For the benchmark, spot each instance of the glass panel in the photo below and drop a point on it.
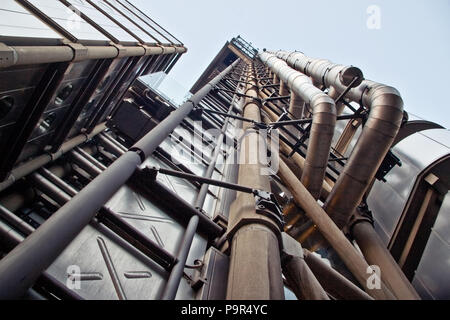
(123, 21)
(149, 21)
(167, 87)
(103, 21)
(68, 20)
(16, 21)
(127, 13)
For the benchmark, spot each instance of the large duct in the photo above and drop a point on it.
(383, 123)
(323, 123)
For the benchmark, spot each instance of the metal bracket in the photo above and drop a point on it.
(7, 56)
(389, 161)
(300, 142)
(349, 87)
(80, 52)
(121, 50)
(216, 88)
(275, 98)
(267, 205)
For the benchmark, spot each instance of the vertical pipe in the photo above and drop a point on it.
(296, 106)
(255, 266)
(322, 126)
(284, 89)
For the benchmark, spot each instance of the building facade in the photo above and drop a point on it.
(279, 176)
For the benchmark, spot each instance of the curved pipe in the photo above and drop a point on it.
(385, 117)
(323, 123)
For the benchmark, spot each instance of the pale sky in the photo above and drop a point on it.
(410, 51)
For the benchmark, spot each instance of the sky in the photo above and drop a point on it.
(401, 43)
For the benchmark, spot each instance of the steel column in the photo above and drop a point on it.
(255, 267)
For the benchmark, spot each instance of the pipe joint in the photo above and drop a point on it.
(80, 52)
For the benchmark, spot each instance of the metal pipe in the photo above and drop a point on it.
(322, 127)
(90, 158)
(173, 283)
(284, 89)
(297, 273)
(11, 239)
(332, 281)
(39, 161)
(255, 266)
(194, 177)
(110, 146)
(24, 55)
(15, 221)
(352, 259)
(112, 140)
(60, 183)
(296, 106)
(85, 164)
(302, 280)
(50, 189)
(378, 134)
(376, 253)
(296, 159)
(21, 267)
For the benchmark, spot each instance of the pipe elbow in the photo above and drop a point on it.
(386, 109)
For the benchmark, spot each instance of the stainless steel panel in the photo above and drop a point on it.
(442, 223)
(180, 186)
(434, 141)
(102, 260)
(146, 217)
(433, 271)
(111, 268)
(215, 272)
(388, 199)
(16, 21)
(209, 205)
